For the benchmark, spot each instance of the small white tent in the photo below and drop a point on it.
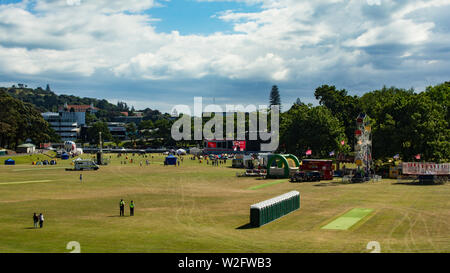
(195, 151)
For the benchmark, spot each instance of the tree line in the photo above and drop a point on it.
(403, 123)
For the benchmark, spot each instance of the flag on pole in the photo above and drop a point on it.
(332, 153)
(309, 152)
(417, 156)
(343, 142)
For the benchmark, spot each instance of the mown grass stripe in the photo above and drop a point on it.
(267, 184)
(26, 182)
(38, 169)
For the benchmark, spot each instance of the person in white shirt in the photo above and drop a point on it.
(41, 220)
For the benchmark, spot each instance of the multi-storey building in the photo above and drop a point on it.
(66, 124)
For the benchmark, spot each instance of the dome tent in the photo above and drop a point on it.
(171, 160)
(196, 151)
(10, 161)
(64, 156)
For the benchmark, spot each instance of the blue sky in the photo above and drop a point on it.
(158, 54)
(193, 17)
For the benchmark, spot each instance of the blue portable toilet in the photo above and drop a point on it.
(10, 161)
(64, 156)
(171, 160)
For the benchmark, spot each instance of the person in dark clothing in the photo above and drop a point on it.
(131, 208)
(35, 220)
(122, 207)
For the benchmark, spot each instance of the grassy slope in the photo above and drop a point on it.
(198, 208)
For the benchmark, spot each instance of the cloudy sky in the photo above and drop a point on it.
(159, 53)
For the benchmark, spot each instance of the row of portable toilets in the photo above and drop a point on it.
(272, 209)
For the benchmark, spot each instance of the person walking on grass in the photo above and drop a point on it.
(35, 220)
(41, 220)
(81, 177)
(122, 207)
(131, 208)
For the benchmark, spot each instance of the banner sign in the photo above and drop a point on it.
(416, 168)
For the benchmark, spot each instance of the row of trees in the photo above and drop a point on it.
(403, 122)
(20, 121)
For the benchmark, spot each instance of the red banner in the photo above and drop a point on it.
(212, 145)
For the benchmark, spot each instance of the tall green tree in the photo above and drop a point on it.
(20, 121)
(131, 131)
(275, 98)
(145, 128)
(306, 127)
(346, 108)
(94, 132)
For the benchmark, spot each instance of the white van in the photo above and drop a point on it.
(85, 164)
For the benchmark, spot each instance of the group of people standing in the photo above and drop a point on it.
(122, 207)
(38, 219)
(216, 162)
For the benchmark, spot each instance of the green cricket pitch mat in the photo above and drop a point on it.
(349, 219)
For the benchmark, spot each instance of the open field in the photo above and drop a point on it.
(201, 208)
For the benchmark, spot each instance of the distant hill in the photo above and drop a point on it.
(46, 100)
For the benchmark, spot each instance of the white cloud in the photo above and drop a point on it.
(286, 41)
(398, 32)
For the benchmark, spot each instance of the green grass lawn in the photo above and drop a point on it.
(27, 159)
(201, 208)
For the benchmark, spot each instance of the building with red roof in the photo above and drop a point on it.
(78, 108)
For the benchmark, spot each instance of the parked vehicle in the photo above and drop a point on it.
(85, 165)
(313, 176)
(302, 176)
(360, 178)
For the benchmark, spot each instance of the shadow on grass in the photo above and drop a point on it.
(30, 228)
(331, 184)
(246, 226)
(415, 184)
(118, 216)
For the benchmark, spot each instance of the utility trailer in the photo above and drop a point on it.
(84, 165)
